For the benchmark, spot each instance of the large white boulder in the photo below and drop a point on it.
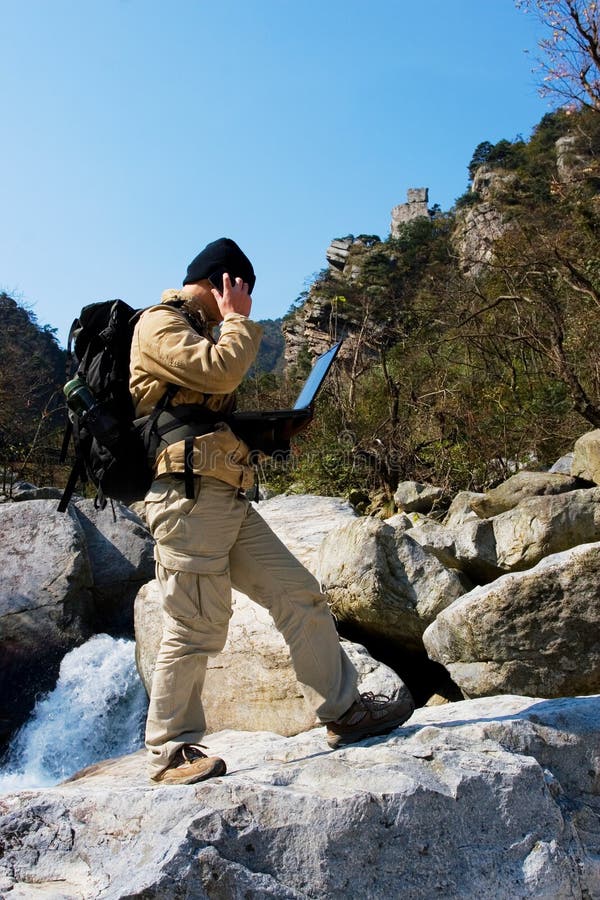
(302, 521)
(381, 580)
(251, 684)
(495, 798)
(529, 632)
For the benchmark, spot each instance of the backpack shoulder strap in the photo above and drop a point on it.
(76, 472)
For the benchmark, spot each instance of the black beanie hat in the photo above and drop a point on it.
(222, 255)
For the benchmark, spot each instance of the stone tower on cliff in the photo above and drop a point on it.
(414, 208)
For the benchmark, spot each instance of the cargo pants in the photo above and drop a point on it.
(204, 546)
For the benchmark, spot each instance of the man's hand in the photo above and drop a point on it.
(235, 297)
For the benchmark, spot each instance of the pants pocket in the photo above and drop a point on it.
(197, 599)
(166, 505)
(214, 592)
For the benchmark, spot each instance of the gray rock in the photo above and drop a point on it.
(571, 162)
(25, 491)
(478, 228)
(540, 526)
(486, 799)
(399, 521)
(520, 487)
(337, 252)
(475, 548)
(19, 487)
(514, 540)
(46, 604)
(586, 457)
(415, 208)
(470, 547)
(138, 507)
(411, 496)
(121, 553)
(563, 465)
(491, 183)
(147, 630)
(418, 518)
(460, 510)
(528, 632)
(438, 540)
(381, 580)
(251, 684)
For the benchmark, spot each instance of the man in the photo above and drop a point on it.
(209, 537)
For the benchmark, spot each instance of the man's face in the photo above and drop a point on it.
(201, 293)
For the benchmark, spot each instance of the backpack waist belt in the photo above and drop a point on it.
(183, 423)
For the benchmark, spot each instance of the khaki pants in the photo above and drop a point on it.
(203, 547)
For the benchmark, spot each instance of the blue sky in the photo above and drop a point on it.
(135, 131)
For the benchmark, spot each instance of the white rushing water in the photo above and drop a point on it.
(96, 711)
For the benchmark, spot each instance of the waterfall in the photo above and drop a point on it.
(96, 710)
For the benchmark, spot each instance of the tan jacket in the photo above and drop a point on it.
(167, 350)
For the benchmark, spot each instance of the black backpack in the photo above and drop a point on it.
(111, 446)
(113, 449)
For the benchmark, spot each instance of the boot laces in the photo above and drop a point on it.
(190, 752)
(372, 702)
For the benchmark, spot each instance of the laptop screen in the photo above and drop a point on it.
(317, 376)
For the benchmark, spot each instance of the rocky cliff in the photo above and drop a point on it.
(326, 315)
(511, 175)
(478, 227)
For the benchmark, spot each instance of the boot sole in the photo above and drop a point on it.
(335, 741)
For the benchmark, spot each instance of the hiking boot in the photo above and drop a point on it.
(370, 715)
(190, 765)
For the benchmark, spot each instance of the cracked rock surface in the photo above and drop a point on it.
(493, 798)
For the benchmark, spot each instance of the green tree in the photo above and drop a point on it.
(32, 370)
(481, 154)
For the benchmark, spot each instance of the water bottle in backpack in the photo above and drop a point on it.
(81, 401)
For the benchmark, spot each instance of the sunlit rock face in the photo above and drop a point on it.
(487, 798)
(527, 632)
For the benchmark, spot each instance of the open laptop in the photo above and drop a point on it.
(269, 430)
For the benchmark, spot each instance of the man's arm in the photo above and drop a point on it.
(173, 352)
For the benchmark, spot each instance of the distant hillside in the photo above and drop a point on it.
(270, 355)
(32, 371)
(471, 335)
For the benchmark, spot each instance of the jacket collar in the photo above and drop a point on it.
(194, 306)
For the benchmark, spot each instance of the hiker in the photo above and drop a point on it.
(208, 535)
